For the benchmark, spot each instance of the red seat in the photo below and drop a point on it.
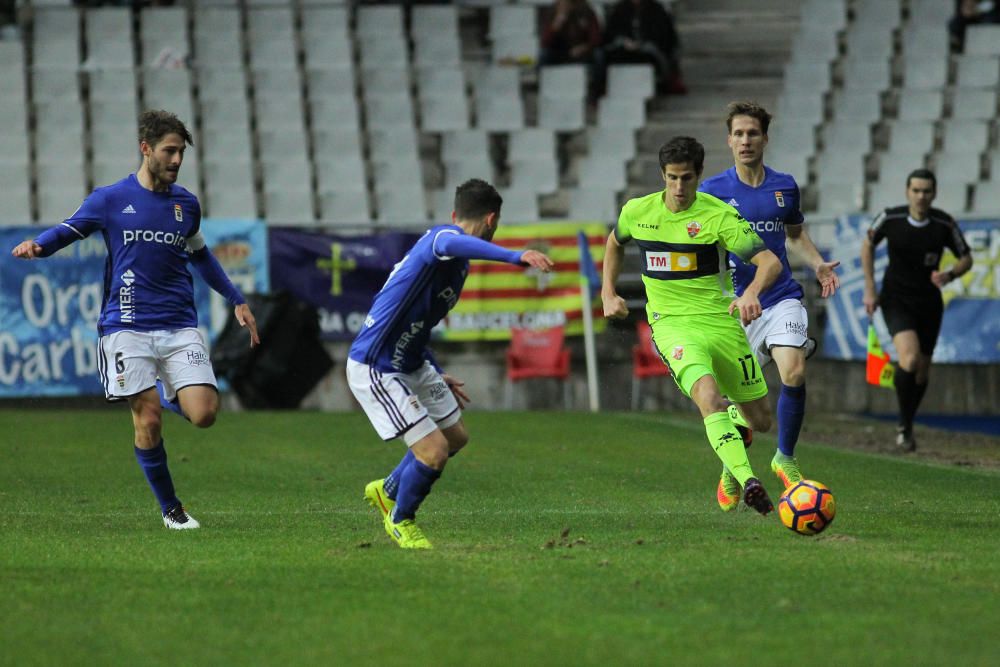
(537, 353)
(646, 361)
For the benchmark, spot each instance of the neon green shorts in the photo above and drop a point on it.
(698, 345)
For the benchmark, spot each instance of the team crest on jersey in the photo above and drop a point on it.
(121, 381)
(678, 352)
(779, 199)
(178, 213)
(693, 228)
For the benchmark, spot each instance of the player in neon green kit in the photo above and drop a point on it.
(683, 236)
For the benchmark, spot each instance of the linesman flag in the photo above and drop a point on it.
(879, 370)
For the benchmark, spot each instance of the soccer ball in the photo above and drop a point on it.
(807, 507)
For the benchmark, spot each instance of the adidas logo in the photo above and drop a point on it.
(731, 202)
(128, 209)
(128, 277)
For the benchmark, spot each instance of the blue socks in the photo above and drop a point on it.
(791, 410)
(154, 465)
(391, 483)
(415, 483)
(173, 406)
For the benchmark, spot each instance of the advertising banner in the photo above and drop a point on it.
(337, 274)
(970, 332)
(49, 307)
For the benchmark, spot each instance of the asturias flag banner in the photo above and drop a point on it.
(499, 297)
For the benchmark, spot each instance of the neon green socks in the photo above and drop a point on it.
(728, 445)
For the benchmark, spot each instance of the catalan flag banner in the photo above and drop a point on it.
(879, 370)
(498, 297)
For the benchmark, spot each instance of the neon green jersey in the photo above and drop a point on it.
(684, 260)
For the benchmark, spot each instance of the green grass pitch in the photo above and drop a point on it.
(562, 539)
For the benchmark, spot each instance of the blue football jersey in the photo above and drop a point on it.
(768, 208)
(419, 292)
(147, 285)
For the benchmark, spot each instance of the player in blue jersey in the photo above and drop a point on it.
(393, 374)
(150, 351)
(769, 201)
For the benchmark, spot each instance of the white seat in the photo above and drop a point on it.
(234, 203)
(288, 206)
(894, 171)
(404, 205)
(519, 205)
(291, 172)
(835, 166)
(904, 134)
(976, 71)
(340, 172)
(616, 143)
(859, 106)
(325, 23)
(225, 115)
(56, 202)
(925, 74)
(106, 172)
(923, 42)
(384, 52)
(334, 111)
(396, 172)
(55, 84)
(169, 89)
(271, 38)
(840, 198)
(16, 206)
(867, 75)
(560, 113)
(793, 134)
(228, 175)
(920, 104)
(631, 81)
(461, 168)
(281, 142)
(514, 48)
(389, 109)
(385, 80)
(601, 171)
(498, 81)
(382, 22)
(872, 43)
(445, 52)
(807, 76)
(970, 136)
(335, 141)
(164, 34)
(113, 84)
(956, 167)
(109, 38)
(982, 40)
(12, 56)
(593, 203)
(564, 81)
(326, 50)
(443, 203)
(831, 14)
(459, 143)
(812, 45)
(221, 82)
(279, 112)
(993, 159)
(330, 80)
(428, 23)
(540, 175)
(217, 37)
(15, 175)
(531, 143)
(280, 82)
(885, 194)
(953, 198)
(499, 114)
(791, 161)
(56, 41)
(931, 12)
(344, 207)
(627, 112)
(848, 136)
(882, 13)
(985, 201)
(441, 113)
(441, 81)
(805, 106)
(393, 142)
(974, 103)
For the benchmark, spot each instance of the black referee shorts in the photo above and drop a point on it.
(920, 314)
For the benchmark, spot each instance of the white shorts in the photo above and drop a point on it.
(130, 361)
(785, 324)
(407, 405)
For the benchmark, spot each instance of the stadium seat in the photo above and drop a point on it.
(118, 85)
(282, 82)
(344, 207)
(863, 106)
(15, 174)
(791, 161)
(169, 89)
(271, 36)
(882, 195)
(613, 142)
(927, 105)
(457, 144)
(393, 142)
(431, 22)
(330, 80)
(401, 205)
(625, 112)
(926, 74)
(281, 141)
(443, 203)
(792, 134)
(815, 45)
(534, 354)
(564, 81)
(224, 203)
(631, 81)
(864, 74)
(839, 198)
(646, 361)
(519, 205)
(932, 12)
(16, 208)
(384, 52)
(444, 52)
(285, 171)
(338, 111)
(56, 41)
(278, 112)
(872, 43)
(828, 14)
(531, 143)
(324, 50)
(969, 136)
(340, 172)
(847, 136)
(985, 202)
(974, 103)
(461, 168)
(564, 114)
(441, 80)
(597, 170)
(498, 113)
(109, 38)
(804, 106)
(441, 113)
(229, 116)
(926, 42)
(107, 172)
(978, 71)
(55, 84)
(593, 203)
(385, 80)
(952, 197)
(956, 167)
(163, 35)
(807, 76)
(884, 13)
(982, 40)
(336, 141)
(284, 205)
(380, 23)
(389, 109)
(217, 38)
(539, 174)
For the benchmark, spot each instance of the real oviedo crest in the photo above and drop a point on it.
(178, 213)
(693, 228)
(779, 199)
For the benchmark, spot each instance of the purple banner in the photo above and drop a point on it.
(339, 275)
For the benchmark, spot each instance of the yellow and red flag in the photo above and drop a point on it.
(879, 370)
(498, 297)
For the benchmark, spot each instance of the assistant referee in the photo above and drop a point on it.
(911, 287)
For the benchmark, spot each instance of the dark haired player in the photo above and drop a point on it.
(394, 376)
(150, 349)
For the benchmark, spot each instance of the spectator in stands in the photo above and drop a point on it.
(971, 12)
(911, 287)
(570, 33)
(642, 31)
(8, 13)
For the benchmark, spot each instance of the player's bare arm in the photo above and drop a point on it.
(942, 278)
(614, 305)
(800, 243)
(870, 299)
(27, 250)
(768, 269)
(248, 322)
(538, 260)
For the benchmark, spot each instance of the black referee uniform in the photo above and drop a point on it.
(909, 300)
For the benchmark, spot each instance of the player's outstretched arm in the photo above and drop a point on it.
(799, 242)
(27, 250)
(248, 322)
(448, 244)
(614, 305)
(48, 242)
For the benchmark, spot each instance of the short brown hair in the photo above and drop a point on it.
(747, 108)
(681, 150)
(475, 199)
(156, 124)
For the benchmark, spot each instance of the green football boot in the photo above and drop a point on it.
(376, 497)
(406, 533)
